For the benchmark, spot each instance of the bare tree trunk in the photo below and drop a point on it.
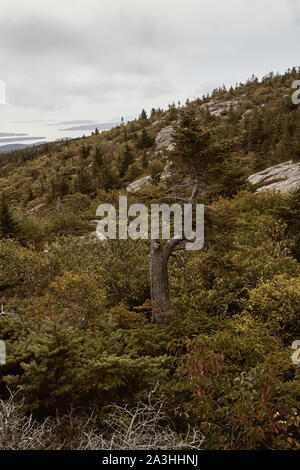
(160, 254)
(161, 309)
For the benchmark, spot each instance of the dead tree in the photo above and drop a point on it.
(59, 206)
(13, 315)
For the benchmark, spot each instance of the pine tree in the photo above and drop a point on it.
(197, 150)
(144, 159)
(143, 114)
(48, 378)
(145, 141)
(172, 112)
(83, 183)
(8, 226)
(85, 151)
(98, 160)
(127, 159)
(29, 194)
(63, 185)
(230, 179)
(108, 177)
(290, 214)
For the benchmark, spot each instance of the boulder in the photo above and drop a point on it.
(35, 208)
(96, 233)
(147, 180)
(139, 184)
(284, 177)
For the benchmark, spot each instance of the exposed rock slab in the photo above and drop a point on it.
(284, 177)
(217, 108)
(164, 140)
(36, 208)
(139, 184)
(147, 181)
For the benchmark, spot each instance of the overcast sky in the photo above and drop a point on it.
(96, 59)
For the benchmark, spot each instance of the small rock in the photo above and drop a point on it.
(35, 208)
(139, 184)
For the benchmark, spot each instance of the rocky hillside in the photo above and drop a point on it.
(259, 114)
(79, 334)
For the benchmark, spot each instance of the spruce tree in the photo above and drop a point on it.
(197, 150)
(29, 194)
(108, 177)
(8, 226)
(127, 159)
(49, 378)
(144, 160)
(85, 151)
(143, 114)
(83, 183)
(145, 141)
(98, 160)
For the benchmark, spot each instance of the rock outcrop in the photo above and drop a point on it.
(217, 108)
(164, 140)
(35, 208)
(139, 184)
(147, 180)
(284, 177)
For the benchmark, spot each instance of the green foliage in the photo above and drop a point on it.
(108, 177)
(59, 366)
(289, 212)
(196, 149)
(8, 226)
(145, 141)
(49, 375)
(85, 151)
(242, 387)
(133, 171)
(98, 160)
(277, 303)
(143, 115)
(231, 179)
(155, 168)
(127, 159)
(83, 336)
(83, 182)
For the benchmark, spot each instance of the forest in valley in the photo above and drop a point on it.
(89, 359)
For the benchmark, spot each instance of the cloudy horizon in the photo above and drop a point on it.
(94, 62)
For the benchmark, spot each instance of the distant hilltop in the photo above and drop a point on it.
(13, 147)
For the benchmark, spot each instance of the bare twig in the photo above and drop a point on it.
(143, 427)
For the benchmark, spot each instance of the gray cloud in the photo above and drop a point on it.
(89, 58)
(19, 139)
(75, 121)
(91, 127)
(10, 134)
